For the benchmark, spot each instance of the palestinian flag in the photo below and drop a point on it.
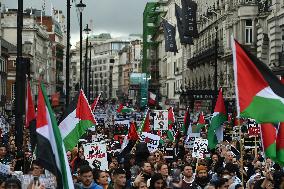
(215, 131)
(124, 109)
(50, 150)
(171, 117)
(200, 124)
(76, 121)
(280, 144)
(170, 135)
(171, 121)
(186, 122)
(94, 105)
(30, 116)
(131, 136)
(152, 99)
(259, 93)
(145, 125)
(268, 136)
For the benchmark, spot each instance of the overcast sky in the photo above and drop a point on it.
(118, 17)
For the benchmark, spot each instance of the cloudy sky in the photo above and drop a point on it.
(118, 17)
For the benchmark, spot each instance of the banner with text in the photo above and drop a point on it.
(189, 141)
(200, 148)
(96, 154)
(160, 119)
(151, 140)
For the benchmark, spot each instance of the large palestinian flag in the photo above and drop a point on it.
(76, 121)
(50, 150)
(215, 131)
(259, 93)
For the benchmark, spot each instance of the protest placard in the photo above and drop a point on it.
(200, 148)
(189, 141)
(151, 140)
(95, 153)
(160, 119)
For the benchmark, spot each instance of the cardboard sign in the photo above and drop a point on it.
(151, 140)
(253, 129)
(189, 141)
(121, 127)
(160, 119)
(200, 148)
(179, 122)
(95, 153)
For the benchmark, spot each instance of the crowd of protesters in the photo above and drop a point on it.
(139, 169)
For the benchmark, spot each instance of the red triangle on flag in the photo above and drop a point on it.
(30, 109)
(93, 106)
(146, 127)
(201, 119)
(132, 133)
(83, 110)
(41, 110)
(220, 105)
(119, 109)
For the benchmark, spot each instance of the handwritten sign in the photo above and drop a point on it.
(189, 141)
(160, 119)
(200, 148)
(151, 140)
(95, 153)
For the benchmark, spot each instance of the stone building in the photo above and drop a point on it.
(43, 44)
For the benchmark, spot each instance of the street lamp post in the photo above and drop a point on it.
(87, 30)
(92, 81)
(215, 69)
(81, 7)
(90, 69)
(68, 53)
(215, 62)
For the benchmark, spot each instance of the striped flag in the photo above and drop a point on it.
(50, 150)
(76, 121)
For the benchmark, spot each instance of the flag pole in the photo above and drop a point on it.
(255, 150)
(237, 103)
(241, 151)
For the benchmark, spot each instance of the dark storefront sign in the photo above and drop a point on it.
(201, 94)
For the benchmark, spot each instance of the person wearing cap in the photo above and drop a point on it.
(202, 177)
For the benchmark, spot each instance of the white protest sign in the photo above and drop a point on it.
(235, 133)
(151, 140)
(161, 120)
(189, 141)
(96, 152)
(200, 148)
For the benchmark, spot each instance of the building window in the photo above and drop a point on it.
(248, 32)
(13, 91)
(14, 63)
